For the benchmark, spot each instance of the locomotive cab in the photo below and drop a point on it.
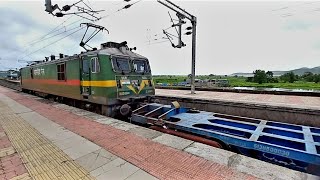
(114, 76)
(133, 78)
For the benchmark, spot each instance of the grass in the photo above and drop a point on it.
(241, 82)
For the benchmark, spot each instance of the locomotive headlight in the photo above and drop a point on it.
(118, 83)
(125, 82)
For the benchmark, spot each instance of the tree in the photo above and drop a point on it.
(308, 76)
(249, 79)
(269, 76)
(288, 77)
(316, 78)
(260, 76)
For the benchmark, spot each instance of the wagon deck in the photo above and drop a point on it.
(293, 146)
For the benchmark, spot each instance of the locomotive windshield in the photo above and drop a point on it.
(121, 64)
(140, 66)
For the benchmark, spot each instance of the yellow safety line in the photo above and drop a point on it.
(41, 157)
(113, 83)
(108, 83)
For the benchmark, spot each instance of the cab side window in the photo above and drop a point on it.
(95, 65)
(61, 71)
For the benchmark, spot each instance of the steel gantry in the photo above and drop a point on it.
(181, 14)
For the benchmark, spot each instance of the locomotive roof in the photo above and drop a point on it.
(118, 52)
(105, 51)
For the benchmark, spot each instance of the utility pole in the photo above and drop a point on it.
(193, 63)
(181, 13)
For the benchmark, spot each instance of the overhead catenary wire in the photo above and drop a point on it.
(26, 47)
(83, 17)
(161, 32)
(53, 30)
(292, 6)
(119, 10)
(56, 35)
(173, 23)
(159, 42)
(293, 10)
(40, 40)
(80, 28)
(129, 5)
(46, 39)
(87, 5)
(57, 27)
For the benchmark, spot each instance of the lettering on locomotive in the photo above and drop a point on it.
(38, 71)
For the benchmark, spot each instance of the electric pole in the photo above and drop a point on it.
(181, 13)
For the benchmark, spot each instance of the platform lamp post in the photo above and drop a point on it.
(193, 21)
(193, 63)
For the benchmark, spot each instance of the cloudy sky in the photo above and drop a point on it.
(232, 36)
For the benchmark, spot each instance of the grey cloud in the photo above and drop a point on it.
(300, 25)
(13, 23)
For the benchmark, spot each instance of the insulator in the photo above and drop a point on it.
(81, 44)
(66, 8)
(59, 14)
(188, 33)
(127, 6)
(189, 28)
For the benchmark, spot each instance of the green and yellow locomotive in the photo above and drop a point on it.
(110, 80)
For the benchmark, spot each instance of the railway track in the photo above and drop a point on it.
(234, 134)
(10, 84)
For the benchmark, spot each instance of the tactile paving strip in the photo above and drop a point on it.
(42, 159)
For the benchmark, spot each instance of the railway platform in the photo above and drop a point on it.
(303, 102)
(302, 110)
(41, 139)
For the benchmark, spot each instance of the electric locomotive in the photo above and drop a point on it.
(110, 80)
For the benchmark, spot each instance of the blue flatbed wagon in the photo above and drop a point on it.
(293, 146)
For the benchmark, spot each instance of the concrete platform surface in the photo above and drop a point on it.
(304, 102)
(40, 139)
